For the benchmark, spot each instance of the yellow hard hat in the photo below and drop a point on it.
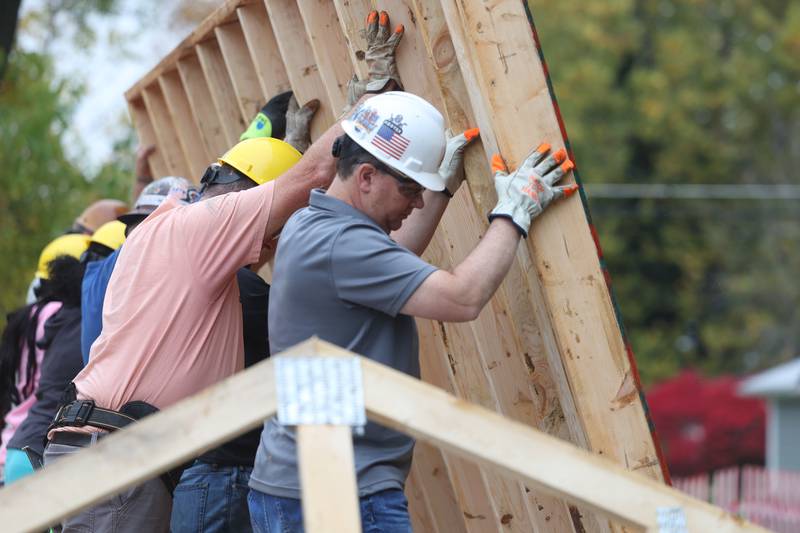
(261, 159)
(110, 234)
(99, 213)
(72, 244)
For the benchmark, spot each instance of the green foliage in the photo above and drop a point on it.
(688, 91)
(41, 192)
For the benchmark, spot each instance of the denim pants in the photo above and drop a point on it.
(212, 499)
(382, 512)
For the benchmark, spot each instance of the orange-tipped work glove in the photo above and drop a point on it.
(452, 168)
(526, 192)
(381, 64)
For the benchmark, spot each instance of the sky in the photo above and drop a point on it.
(128, 44)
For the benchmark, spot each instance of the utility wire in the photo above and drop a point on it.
(693, 191)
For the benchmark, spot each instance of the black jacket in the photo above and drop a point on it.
(61, 363)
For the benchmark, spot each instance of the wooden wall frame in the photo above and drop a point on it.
(549, 350)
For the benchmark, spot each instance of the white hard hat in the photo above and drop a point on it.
(404, 132)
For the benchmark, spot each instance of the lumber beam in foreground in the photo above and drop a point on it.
(241, 402)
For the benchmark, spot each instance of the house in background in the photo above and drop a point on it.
(780, 386)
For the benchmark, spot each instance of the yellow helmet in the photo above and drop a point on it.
(261, 159)
(72, 244)
(110, 234)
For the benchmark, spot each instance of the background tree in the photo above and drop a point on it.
(688, 91)
(41, 190)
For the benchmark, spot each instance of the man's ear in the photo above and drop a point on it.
(365, 174)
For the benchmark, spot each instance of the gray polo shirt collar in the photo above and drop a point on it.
(321, 200)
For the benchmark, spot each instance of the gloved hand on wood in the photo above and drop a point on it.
(526, 192)
(298, 123)
(452, 168)
(380, 56)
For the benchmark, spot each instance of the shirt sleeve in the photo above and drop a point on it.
(225, 233)
(372, 270)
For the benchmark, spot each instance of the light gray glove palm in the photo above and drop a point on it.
(381, 64)
(298, 123)
(452, 168)
(526, 192)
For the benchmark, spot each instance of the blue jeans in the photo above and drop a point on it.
(212, 499)
(382, 512)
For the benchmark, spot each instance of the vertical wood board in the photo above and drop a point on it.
(240, 69)
(263, 49)
(185, 125)
(301, 66)
(209, 126)
(222, 93)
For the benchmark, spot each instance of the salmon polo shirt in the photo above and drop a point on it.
(172, 321)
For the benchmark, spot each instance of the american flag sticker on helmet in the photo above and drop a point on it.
(389, 141)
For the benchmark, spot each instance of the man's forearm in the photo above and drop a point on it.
(417, 231)
(481, 272)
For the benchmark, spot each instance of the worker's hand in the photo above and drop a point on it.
(452, 168)
(142, 166)
(381, 64)
(298, 122)
(526, 192)
(271, 120)
(381, 46)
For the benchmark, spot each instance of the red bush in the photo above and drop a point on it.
(704, 425)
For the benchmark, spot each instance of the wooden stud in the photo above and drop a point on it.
(328, 479)
(349, 13)
(434, 483)
(419, 511)
(185, 126)
(471, 490)
(147, 136)
(209, 126)
(240, 69)
(330, 48)
(222, 93)
(263, 48)
(300, 63)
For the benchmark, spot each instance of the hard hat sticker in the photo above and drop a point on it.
(366, 118)
(389, 138)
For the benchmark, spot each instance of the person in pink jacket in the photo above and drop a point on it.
(21, 358)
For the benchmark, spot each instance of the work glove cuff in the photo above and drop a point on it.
(514, 212)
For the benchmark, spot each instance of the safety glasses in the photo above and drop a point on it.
(405, 185)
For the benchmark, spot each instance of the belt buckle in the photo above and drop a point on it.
(78, 415)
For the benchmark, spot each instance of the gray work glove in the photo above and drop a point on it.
(452, 168)
(298, 123)
(526, 192)
(381, 64)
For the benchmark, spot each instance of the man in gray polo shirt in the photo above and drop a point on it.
(347, 269)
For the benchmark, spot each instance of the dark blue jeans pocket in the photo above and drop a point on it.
(189, 508)
(385, 512)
